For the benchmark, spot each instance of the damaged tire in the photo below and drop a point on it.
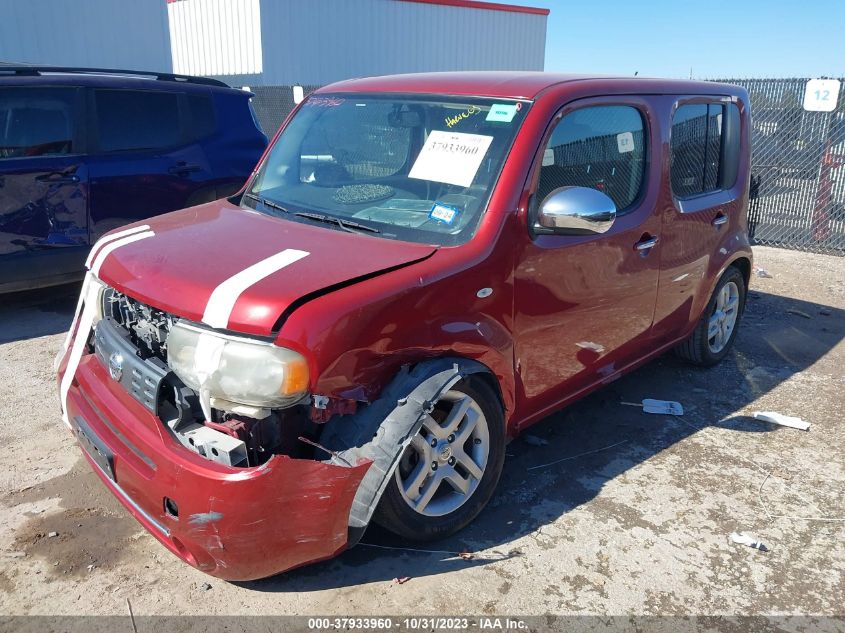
(450, 469)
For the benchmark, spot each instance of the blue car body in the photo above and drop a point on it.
(82, 153)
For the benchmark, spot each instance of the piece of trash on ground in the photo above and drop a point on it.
(598, 348)
(762, 272)
(52, 535)
(782, 420)
(466, 555)
(660, 407)
(205, 586)
(533, 440)
(744, 539)
(799, 313)
(401, 580)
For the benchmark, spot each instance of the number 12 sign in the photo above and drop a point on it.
(821, 95)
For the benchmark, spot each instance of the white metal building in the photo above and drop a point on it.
(129, 34)
(274, 42)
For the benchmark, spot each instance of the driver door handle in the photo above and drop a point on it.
(719, 220)
(183, 169)
(646, 243)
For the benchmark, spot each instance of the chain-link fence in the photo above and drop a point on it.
(797, 166)
(798, 162)
(272, 104)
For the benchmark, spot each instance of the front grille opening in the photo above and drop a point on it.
(148, 327)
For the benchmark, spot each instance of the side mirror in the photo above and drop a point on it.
(576, 211)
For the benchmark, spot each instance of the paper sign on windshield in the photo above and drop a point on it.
(451, 157)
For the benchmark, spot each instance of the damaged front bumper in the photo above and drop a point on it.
(233, 523)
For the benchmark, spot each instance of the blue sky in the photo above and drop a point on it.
(717, 38)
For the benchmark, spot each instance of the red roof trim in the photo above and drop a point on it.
(492, 6)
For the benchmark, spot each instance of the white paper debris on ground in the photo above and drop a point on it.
(744, 539)
(660, 407)
(598, 348)
(800, 313)
(533, 440)
(762, 272)
(782, 420)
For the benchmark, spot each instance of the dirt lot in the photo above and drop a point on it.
(639, 528)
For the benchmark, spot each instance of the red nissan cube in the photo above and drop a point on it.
(420, 267)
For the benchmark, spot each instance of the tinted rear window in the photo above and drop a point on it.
(201, 112)
(703, 155)
(36, 122)
(134, 120)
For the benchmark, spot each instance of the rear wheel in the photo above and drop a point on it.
(450, 470)
(711, 340)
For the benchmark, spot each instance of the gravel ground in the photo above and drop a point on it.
(638, 528)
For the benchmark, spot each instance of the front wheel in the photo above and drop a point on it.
(711, 340)
(449, 471)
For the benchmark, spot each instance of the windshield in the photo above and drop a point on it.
(416, 169)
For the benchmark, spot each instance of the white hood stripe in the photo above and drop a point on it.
(88, 263)
(86, 307)
(222, 301)
(111, 238)
(94, 263)
(86, 322)
(111, 246)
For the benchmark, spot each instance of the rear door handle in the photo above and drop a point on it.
(57, 178)
(183, 169)
(646, 243)
(719, 220)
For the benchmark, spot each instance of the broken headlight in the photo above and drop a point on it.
(235, 369)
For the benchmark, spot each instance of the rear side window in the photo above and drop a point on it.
(201, 112)
(36, 122)
(601, 147)
(135, 120)
(704, 148)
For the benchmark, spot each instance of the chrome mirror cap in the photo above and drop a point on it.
(577, 211)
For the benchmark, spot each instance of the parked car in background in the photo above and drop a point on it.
(421, 267)
(83, 151)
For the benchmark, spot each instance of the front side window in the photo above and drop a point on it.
(137, 120)
(600, 147)
(416, 169)
(36, 122)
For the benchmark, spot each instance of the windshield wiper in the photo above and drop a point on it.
(346, 225)
(267, 203)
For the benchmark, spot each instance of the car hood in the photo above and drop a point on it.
(240, 270)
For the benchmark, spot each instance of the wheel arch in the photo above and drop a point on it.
(381, 431)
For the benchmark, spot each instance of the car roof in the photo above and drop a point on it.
(116, 80)
(519, 85)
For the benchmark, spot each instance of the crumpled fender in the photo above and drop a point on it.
(380, 432)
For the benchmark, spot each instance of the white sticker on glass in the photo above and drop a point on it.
(821, 95)
(548, 157)
(625, 142)
(451, 157)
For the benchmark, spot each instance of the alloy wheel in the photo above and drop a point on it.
(444, 463)
(723, 319)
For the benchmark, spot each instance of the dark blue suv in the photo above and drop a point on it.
(83, 151)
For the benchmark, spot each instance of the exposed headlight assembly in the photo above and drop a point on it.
(234, 369)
